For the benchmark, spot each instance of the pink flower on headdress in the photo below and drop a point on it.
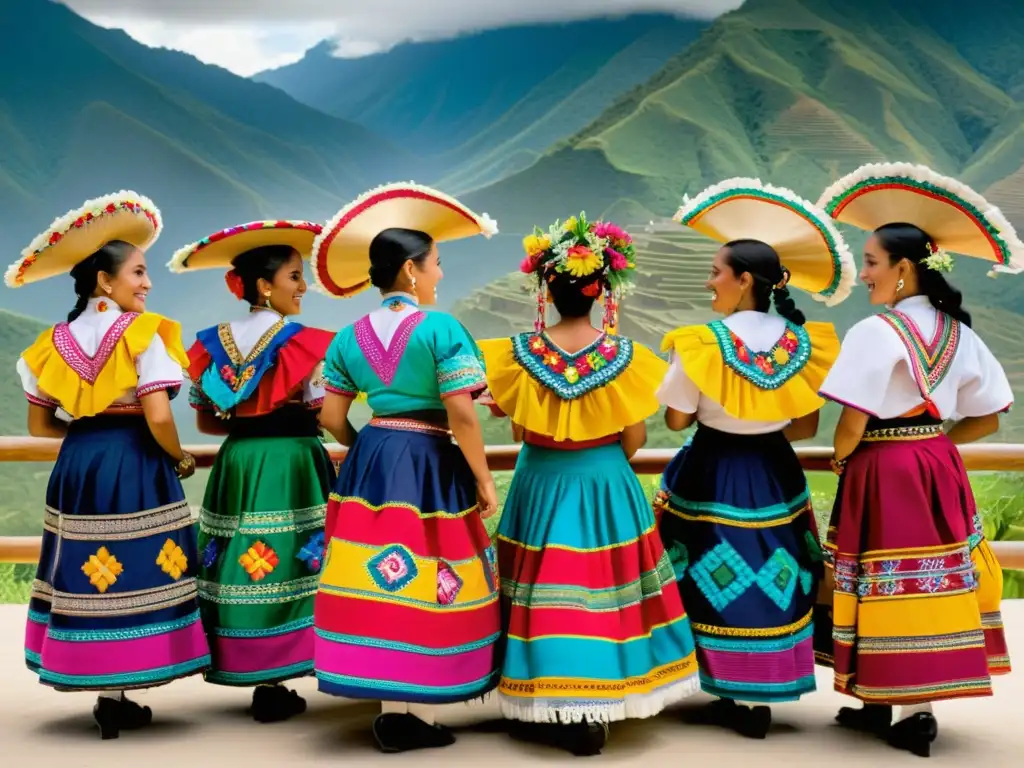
(616, 260)
(613, 233)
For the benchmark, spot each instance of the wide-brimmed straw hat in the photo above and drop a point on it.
(341, 253)
(126, 216)
(958, 219)
(809, 245)
(219, 249)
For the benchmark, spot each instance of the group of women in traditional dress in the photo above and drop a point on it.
(594, 605)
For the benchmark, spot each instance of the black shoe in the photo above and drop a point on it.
(871, 718)
(275, 704)
(721, 712)
(753, 722)
(405, 732)
(115, 715)
(578, 739)
(915, 734)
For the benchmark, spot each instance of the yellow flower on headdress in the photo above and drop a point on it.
(570, 224)
(536, 244)
(580, 261)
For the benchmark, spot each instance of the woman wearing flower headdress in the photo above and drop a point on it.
(917, 588)
(735, 510)
(407, 610)
(258, 380)
(113, 605)
(596, 631)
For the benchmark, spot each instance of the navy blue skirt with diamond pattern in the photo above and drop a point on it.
(737, 522)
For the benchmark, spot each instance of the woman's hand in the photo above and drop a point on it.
(186, 467)
(486, 498)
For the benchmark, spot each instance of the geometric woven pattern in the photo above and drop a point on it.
(722, 575)
(778, 577)
(393, 568)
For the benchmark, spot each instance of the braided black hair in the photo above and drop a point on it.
(906, 241)
(110, 258)
(762, 263)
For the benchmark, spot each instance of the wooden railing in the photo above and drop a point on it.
(992, 457)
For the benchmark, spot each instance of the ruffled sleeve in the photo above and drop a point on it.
(336, 376)
(861, 374)
(986, 390)
(678, 391)
(620, 398)
(313, 387)
(781, 389)
(460, 364)
(157, 370)
(29, 380)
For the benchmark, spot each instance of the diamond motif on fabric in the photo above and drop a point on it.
(778, 578)
(722, 575)
(102, 569)
(491, 568)
(172, 560)
(449, 584)
(393, 568)
(312, 552)
(806, 581)
(259, 561)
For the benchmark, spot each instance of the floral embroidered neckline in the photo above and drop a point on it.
(766, 370)
(239, 370)
(71, 352)
(572, 375)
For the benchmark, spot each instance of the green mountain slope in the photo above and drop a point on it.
(485, 104)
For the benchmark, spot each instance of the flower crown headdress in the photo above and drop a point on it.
(599, 254)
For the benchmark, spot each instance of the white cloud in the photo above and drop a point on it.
(247, 36)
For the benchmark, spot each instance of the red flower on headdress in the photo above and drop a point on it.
(592, 290)
(234, 283)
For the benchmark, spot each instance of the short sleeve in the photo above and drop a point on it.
(677, 390)
(313, 390)
(863, 371)
(460, 363)
(336, 379)
(157, 370)
(30, 385)
(986, 390)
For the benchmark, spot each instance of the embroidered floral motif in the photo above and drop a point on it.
(572, 375)
(238, 372)
(88, 368)
(172, 560)
(766, 370)
(942, 574)
(312, 552)
(931, 361)
(259, 561)
(393, 568)
(236, 382)
(102, 569)
(210, 553)
(449, 584)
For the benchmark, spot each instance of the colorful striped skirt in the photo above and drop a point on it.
(736, 520)
(917, 588)
(261, 539)
(114, 605)
(407, 608)
(595, 627)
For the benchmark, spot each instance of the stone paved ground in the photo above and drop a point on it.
(201, 726)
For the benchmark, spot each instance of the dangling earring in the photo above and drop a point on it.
(266, 296)
(611, 312)
(414, 283)
(541, 322)
(899, 286)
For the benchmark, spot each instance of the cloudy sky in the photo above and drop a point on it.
(247, 36)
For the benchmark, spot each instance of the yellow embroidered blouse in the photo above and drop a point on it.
(136, 354)
(587, 395)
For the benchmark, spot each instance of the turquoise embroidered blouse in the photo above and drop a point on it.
(431, 356)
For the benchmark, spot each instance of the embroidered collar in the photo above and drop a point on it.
(396, 301)
(385, 361)
(88, 368)
(572, 375)
(930, 360)
(101, 305)
(765, 370)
